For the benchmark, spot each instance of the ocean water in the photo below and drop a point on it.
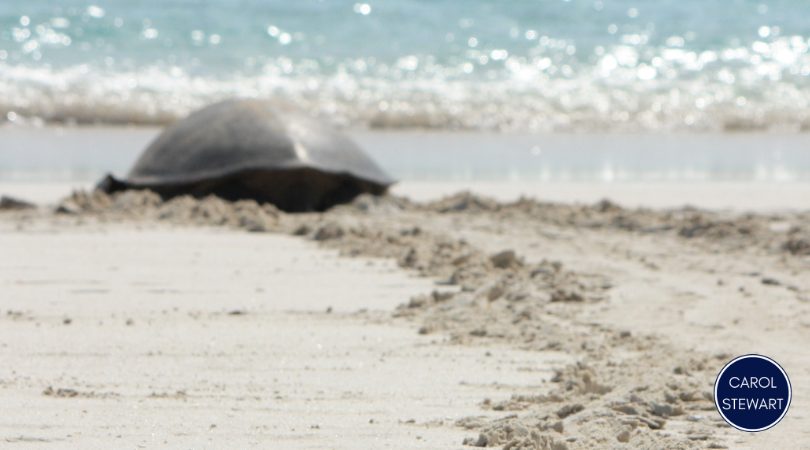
(512, 66)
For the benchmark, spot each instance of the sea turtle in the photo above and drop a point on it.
(264, 150)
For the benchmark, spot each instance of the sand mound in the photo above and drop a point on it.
(724, 231)
(183, 210)
(13, 204)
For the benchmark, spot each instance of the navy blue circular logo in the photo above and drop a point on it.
(752, 393)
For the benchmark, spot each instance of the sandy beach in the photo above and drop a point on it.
(524, 225)
(129, 321)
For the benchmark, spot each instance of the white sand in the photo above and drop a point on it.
(208, 270)
(186, 373)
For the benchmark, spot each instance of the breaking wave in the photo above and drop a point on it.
(547, 86)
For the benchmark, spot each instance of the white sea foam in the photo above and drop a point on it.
(550, 68)
(762, 87)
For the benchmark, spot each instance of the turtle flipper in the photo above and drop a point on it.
(110, 184)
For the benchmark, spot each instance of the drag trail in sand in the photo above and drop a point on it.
(134, 321)
(700, 295)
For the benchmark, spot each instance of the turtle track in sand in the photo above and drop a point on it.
(626, 390)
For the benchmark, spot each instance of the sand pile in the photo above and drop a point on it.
(784, 233)
(779, 233)
(13, 204)
(776, 233)
(798, 242)
(183, 210)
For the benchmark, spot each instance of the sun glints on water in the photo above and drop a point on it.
(556, 66)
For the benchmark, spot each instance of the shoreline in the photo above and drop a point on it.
(85, 154)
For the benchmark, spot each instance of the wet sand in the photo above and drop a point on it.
(202, 322)
(86, 153)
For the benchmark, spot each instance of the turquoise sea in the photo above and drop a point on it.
(513, 66)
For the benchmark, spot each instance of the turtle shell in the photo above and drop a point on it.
(268, 151)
